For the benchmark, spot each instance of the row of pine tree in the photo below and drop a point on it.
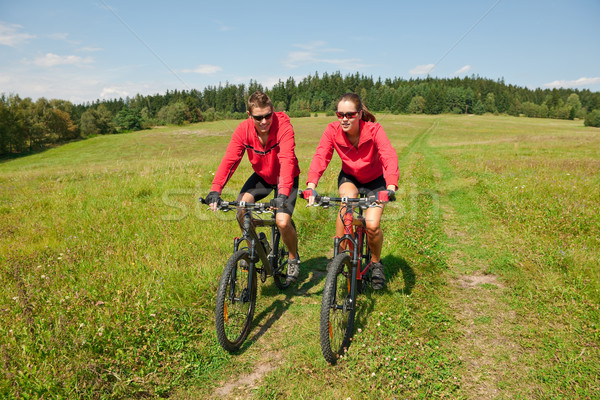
(27, 125)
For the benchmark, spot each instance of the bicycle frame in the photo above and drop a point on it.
(236, 294)
(355, 235)
(256, 250)
(346, 273)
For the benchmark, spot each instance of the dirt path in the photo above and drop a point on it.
(264, 338)
(487, 346)
(267, 338)
(240, 387)
(488, 327)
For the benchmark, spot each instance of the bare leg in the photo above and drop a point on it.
(288, 233)
(374, 232)
(346, 189)
(248, 198)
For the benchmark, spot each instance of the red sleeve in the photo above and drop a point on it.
(287, 158)
(231, 160)
(387, 157)
(322, 156)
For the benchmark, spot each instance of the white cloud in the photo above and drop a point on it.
(315, 52)
(223, 27)
(422, 69)
(108, 89)
(90, 49)
(463, 70)
(314, 45)
(61, 84)
(114, 92)
(58, 36)
(346, 63)
(267, 81)
(52, 60)
(204, 69)
(295, 58)
(10, 35)
(77, 86)
(575, 83)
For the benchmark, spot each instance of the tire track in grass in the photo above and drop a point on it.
(265, 351)
(261, 354)
(247, 385)
(487, 346)
(455, 283)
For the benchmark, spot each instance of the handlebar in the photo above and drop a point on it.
(362, 202)
(230, 205)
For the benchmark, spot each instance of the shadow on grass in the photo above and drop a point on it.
(393, 267)
(396, 265)
(313, 271)
(15, 156)
(36, 150)
(267, 317)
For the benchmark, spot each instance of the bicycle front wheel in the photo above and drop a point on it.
(337, 309)
(235, 301)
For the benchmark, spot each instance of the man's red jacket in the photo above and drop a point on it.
(275, 162)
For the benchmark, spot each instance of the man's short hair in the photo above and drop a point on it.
(259, 99)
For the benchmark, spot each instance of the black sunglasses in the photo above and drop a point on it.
(259, 118)
(348, 115)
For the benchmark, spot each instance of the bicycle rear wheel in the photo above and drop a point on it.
(235, 302)
(280, 275)
(361, 284)
(337, 309)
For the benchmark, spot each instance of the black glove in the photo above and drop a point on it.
(213, 197)
(279, 202)
(386, 195)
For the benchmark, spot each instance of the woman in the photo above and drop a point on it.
(368, 161)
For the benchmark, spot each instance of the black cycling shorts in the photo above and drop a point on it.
(259, 188)
(372, 187)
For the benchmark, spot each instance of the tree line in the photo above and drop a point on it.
(27, 125)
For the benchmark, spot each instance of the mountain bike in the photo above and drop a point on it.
(253, 255)
(348, 273)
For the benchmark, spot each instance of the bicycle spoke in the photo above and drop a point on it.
(337, 310)
(235, 302)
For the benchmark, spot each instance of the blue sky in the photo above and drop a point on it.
(83, 50)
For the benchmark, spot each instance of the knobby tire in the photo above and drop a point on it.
(280, 276)
(337, 309)
(235, 303)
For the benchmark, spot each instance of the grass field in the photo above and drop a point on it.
(109, 270)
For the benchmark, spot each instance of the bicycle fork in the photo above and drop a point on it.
(355, 238)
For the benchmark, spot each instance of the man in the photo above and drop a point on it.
(269, 138)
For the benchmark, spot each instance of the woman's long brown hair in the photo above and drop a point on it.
(354, 98)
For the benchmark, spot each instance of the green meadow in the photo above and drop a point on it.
(109, 269)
